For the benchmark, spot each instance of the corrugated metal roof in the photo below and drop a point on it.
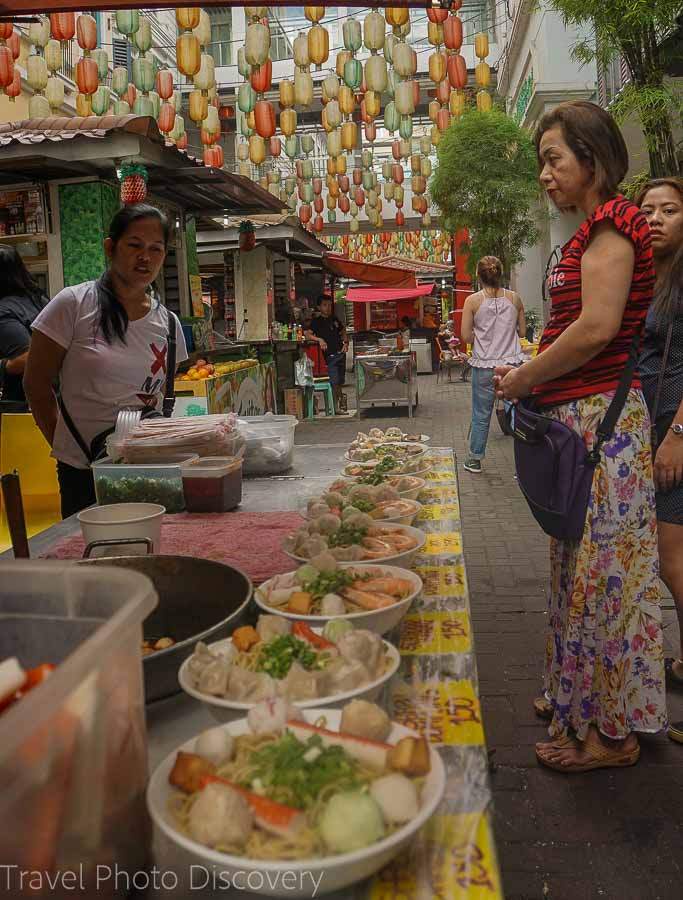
(174, 175)
(419, 266)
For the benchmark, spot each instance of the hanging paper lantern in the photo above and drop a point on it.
(354, 226)
(333, 114)
(347, 100)
(400, 219)
(203, 30)
(368, 181)
(54, 91)
(418, 184)
(484, 101)
(102, 63)
(243, 152)
(212, 123)
(261, 78)
(353, 73)
(359, 197)
(482, 74)
(188, 53)
(334, 143)
(143, 74)
(318, 45)
(130, 94)
(343, 56)
(265, 119)
(288, 119)
(372, 102)
(300, 51)
(435, 135)
(303, 88)
(403, 60)
(257, 44)
(199, 106)
(83, 107)
(481, 45)
(426, 220)
(275, 147)
(306, 192)
(287, 97)
(397, 16)
(85, 75)
(314, 13)
(166, 117)
(128, 21)
(63, 26)
(343, 182)
(349, 135)
(86, 31)
(38, 107)
(246, 97)
(251, 121)
(39, 32)
(318, 224)
(457, 71)
(36, 70)
(373, 31)
(435, 34)
(437, 67)
(392, 117)
(142, 38)
(397, 173)
(186, 18)
(415, 163)
(178, 129)
(405, 100)
(143, 106)
(443, 92)
(352, 36)
(318, 203)
(344, 204)
(305, 213)
(205, 78)
(121, 108)
(257, 149)
(405, 129)
(425, 167)
(452, 32)
(255, 12)
(376, 74)
(213, 156)
(425, 145)
(119, 80)
(307, 145)
(293, 146)
(243, 66)
(14, 89)
(164, 82)
(330, 88)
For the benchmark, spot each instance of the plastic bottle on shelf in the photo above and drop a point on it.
(300, 334)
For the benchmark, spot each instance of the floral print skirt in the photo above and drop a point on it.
(604, 656)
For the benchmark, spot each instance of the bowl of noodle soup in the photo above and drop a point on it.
(314, 874)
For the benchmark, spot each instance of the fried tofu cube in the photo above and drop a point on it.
(188, 771)
(410, 756)
(300, 603)
(244, 638)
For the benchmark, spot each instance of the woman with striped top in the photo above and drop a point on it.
(604, 668)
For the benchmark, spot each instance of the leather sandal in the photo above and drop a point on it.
(601, 758)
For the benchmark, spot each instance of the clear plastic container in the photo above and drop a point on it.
(269, 443)
(73, 757)
(212, 484)
(150, 483)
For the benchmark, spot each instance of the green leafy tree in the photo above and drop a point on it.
(486, 181)
(633, 30)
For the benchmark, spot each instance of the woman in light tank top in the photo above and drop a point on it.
(492, 322)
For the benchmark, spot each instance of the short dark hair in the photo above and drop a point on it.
(113, 316)
(594, 138)
(323, 298)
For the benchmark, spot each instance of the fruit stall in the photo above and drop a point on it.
(243, 386)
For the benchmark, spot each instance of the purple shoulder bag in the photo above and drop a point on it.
(554, 467)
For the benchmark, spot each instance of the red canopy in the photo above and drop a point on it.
(382, 295)
(369, 273)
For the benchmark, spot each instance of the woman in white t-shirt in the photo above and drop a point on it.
(107, 342)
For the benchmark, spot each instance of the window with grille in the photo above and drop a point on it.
(280, 43)
(221, 35)
(121, 56)
(475, 18)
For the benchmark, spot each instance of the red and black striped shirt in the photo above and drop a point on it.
(600, 374)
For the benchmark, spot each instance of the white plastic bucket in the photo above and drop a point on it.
(123, 520)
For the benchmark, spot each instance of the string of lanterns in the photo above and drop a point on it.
(426, 245)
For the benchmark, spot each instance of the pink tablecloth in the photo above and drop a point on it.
(250, 541)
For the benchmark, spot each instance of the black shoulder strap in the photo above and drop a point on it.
(169, 391)
(606, 428)
(75, 433)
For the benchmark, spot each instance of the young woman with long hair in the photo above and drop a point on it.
(107, 342)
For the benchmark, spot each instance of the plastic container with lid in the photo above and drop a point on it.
(212, 484)
(73, 757)
(269, 446)
(149, 483)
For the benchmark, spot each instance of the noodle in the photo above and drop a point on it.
(261, 844)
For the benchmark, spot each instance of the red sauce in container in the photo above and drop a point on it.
(212, 484)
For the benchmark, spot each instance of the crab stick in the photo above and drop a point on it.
(268, 814)
(370, 753)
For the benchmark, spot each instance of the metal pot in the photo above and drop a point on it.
(199, 600)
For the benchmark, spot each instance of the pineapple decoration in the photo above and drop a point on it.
(133, 178)
(247, 240)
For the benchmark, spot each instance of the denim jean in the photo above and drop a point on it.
(483, 401)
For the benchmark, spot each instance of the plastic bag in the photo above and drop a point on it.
(303, 371)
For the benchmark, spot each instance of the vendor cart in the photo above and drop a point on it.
(386, 379)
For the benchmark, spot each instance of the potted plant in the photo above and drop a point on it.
(533, 324)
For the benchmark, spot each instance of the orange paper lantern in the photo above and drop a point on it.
(164, 81)
(452, 32)
(166, 117)
(265, 118)
(6, 67)
(63, 26)
(86, 31)
(86, 75)
(457, 71)
(261, 78)
(275, 146)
